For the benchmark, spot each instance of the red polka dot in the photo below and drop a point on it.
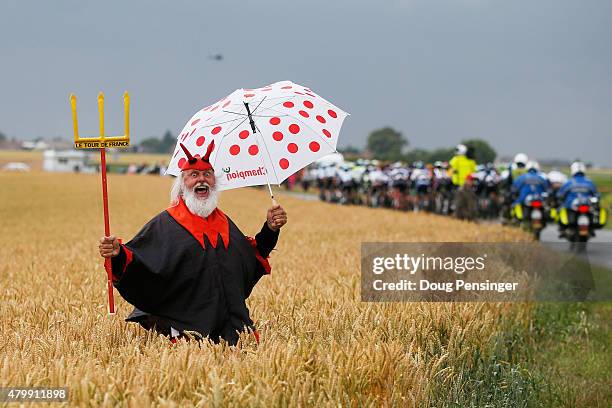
(304, 114)
(206, 108)
(244, 134)
(226, 104)
(294, 128)
(215, 108)
(182, 162)
(266, 90)
(278, 136)
(286, 87)
(253, 150)
(234, 150)
(283, 163)
(332, 113)
(314, 146)
(308, 104)
(274, 121)
(200, 141)
(192, 132)
(326, 133)
(216, 130)
(299, 93)
(249, 95)
(288, 105)
(195, 122)
(321, 119)
(309, 94)
(292, 147)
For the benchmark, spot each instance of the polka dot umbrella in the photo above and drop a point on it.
(262, 135)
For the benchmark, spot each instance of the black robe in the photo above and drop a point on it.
(173, 281)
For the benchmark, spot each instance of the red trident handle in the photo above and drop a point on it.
(107, 261)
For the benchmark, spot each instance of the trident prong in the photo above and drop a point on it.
(101, 114)
(104, 141)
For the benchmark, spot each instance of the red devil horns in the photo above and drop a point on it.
(189, 156)
(193, 163)
(211, 146)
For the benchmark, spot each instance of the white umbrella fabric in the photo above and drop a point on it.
(262, 135)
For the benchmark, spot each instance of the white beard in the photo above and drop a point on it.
(201, 206)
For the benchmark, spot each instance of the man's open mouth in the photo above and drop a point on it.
(201, 190)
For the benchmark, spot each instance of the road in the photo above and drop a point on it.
(599, 249)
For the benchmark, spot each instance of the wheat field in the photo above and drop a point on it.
(320, 345)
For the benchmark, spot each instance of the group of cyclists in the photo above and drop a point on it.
(519, 193)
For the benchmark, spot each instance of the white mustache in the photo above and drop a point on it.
(202, 184)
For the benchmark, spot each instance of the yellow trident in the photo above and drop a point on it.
(102, 143)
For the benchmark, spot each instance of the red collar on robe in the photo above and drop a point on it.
(212, 226)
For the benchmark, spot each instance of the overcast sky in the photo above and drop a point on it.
(532, 76)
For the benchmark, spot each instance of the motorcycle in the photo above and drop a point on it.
(531, 214)
(580, 220)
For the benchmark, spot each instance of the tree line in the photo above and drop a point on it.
(165, 144)
(390, 145)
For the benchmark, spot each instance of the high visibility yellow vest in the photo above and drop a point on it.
(461, 167)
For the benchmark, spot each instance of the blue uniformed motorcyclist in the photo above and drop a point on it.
(579, 196)
(531, 183)
(578, 186)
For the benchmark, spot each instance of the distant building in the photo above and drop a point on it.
(67, 161)
(35, 145)
(16, 166)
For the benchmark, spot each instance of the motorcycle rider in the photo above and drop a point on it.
(556, 180)
(531, 183)
(515, 169)
(461, 166)
(578, 186)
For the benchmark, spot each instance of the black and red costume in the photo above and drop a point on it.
(186, 272)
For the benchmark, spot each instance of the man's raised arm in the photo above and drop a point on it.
(268, 236)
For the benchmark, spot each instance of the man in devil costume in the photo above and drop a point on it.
(190, 268)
